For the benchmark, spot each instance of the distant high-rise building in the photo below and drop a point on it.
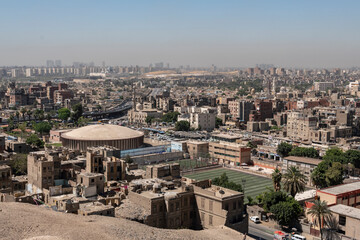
(159, 65)
(57, 63)
(50, 63)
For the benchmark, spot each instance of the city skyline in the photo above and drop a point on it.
(232, 34)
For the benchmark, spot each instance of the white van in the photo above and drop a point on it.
(298, 237)
(255, 219)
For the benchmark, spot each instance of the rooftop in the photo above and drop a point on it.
(4, 167)
(346, 210)
(102, 132)
(313, 161)
(343, 188)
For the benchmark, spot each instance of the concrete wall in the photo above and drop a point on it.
(155, 158)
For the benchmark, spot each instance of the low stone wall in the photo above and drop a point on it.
(156, 158)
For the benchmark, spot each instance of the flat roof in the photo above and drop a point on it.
(346, 210)
(4, 167)
(343, 188)
(313, 161)
(228, 136)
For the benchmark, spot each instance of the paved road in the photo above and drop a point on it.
(260, 232)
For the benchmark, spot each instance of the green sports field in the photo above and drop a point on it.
(254, 184)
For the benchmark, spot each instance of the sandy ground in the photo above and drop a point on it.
(31, 222)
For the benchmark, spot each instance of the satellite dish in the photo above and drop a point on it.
(221, 192)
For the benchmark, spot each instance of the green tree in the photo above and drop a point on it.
(170, 117)
(22, 127)
(330, 231)
(223, 181)
(149, 120)
(327, 174)
(250, 201)
(182, 126)
(23, 112)
(64, 114)
(271, 198)
(353, 157)
(128, 159)
(17, 113)
(42, 127)
(77, 111)
(19, 164)
(82, 121)
(284, 149)
(335, 155)
(276, 178)
(304, 152)
(319, 211)
(286, 212)
(29, 114)
(334, 174)
(34, 141)
(294, 181)
(218, 122)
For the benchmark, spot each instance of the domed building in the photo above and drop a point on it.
(100, 135)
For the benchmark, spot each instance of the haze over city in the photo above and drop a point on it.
(180, 120)
(197, 33)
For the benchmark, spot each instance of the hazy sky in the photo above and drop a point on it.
(314, 33)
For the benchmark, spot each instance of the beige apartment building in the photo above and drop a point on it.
(240, 110)
(230, 153)
(197, 149)
(346, 194)
(140, 116)
(203, 121)
(304, 164)
(300, 125)
(348, 219)
(43, 169)
(188, 204)
(102, 160)
(5, 179)
(163, 171)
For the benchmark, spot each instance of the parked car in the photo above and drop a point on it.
(298, 237)
(255, 219)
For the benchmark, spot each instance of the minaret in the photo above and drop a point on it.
(274, 86)
(133, 97)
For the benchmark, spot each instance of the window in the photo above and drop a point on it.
(210, 220)
(342, 220)
(239, 204)
(171, 207)
(185, 202)
(118, 168)
(211, 205)
(202, 202)
(234, 205)
(154, 208)
(177, 206)
(92, 180)
(226, 206)
(202, 216)
(111, 169)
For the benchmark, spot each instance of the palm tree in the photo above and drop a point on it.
(17, 116)
(294, 181)
(29, 113)
(23, 111)
(276, 178)
(319, 211)
(331, 229)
